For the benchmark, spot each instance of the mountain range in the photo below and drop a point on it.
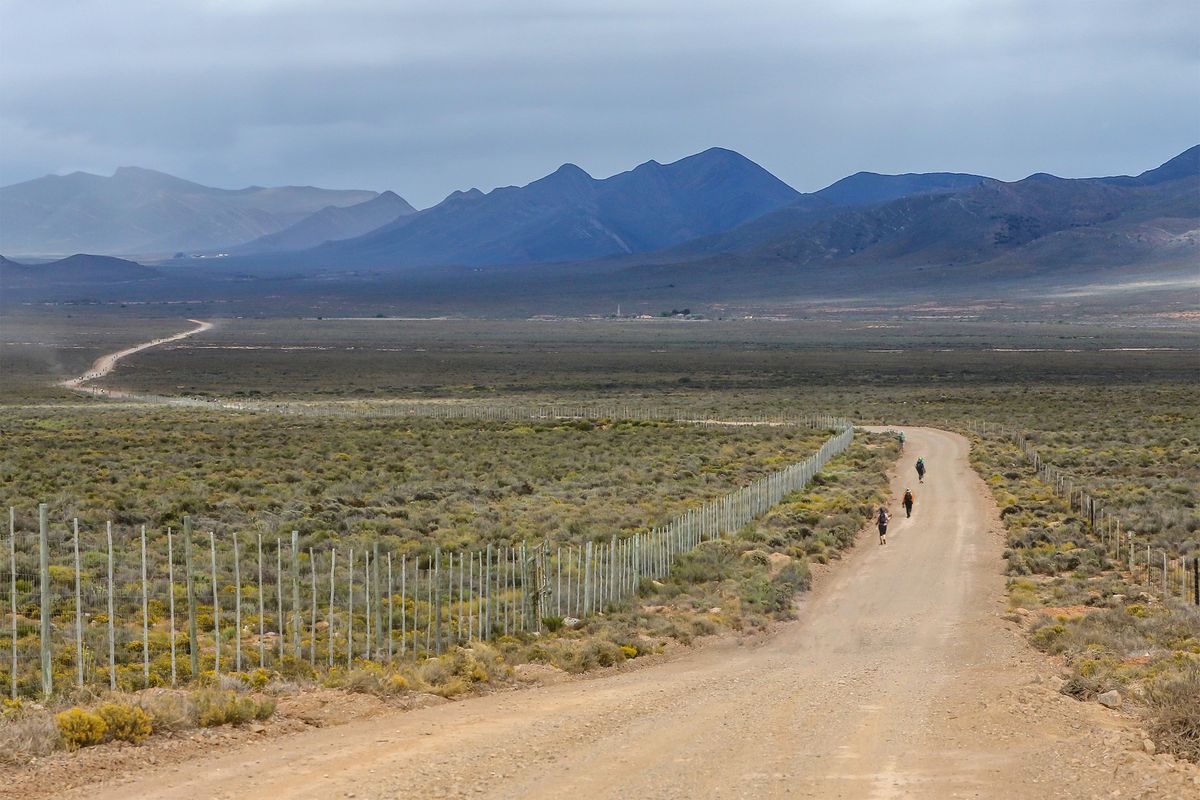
(710, 227)
(142, 212)
(565, 216)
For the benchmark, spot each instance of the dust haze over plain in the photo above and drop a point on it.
(426, 97)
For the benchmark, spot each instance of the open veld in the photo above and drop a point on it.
(926, 621)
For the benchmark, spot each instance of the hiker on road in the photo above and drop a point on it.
(882, 521)
(920, 470)
(908, 502)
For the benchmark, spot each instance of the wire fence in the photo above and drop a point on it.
(464, 410)
(130, 608)
(1158, 571)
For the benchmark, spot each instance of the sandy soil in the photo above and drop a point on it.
(900, 678)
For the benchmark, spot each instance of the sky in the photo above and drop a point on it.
(424, 98)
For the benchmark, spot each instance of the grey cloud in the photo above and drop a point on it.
(425, 97)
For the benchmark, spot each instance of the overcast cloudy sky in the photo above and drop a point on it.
(427, 97)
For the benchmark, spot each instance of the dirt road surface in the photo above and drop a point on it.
(899, 679)
(106, 363)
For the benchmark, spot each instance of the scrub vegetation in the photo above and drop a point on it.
(1124, 420)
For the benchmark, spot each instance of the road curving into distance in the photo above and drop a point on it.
(106, 363)
(899, 679)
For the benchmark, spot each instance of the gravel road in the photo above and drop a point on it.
(106, 363)
(899, 679)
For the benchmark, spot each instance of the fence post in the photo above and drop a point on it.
(145, 618)
(1147, 566)
(237, 605)
(329, 615)
(391, 592)
(171, 599)
(404, 604)
(193, 650)
(367, 604)
(485, 620)
(262, 614)
(377, 597)
(44, 577)
(296, 595)
(350, 611)
(212, 550)
(1196, 580)
(78, 610)
(112, 630)
(312, 625)
(280, 621)
(437, 599)
(12, 578)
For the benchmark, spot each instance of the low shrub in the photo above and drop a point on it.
(1174, 703)
(215, 707)
(168, 709)
(28, 736)
(124, 722)
(373, 679)
(79, 728)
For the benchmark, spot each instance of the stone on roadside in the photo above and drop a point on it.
(1148, 746)
(1110, 699)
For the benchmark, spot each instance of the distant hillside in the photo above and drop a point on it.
(77, 270)
(140, 211)
(569, 215)
(331, 223)
(1184, 165)
(945, 236)
(869, 188)
(861, 189)
(1038, 229)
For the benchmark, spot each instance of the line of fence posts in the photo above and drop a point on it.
(1121, 545)
(443, 599)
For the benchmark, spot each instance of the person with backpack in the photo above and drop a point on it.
(920, 470)
(908, 502)
(882, 521)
